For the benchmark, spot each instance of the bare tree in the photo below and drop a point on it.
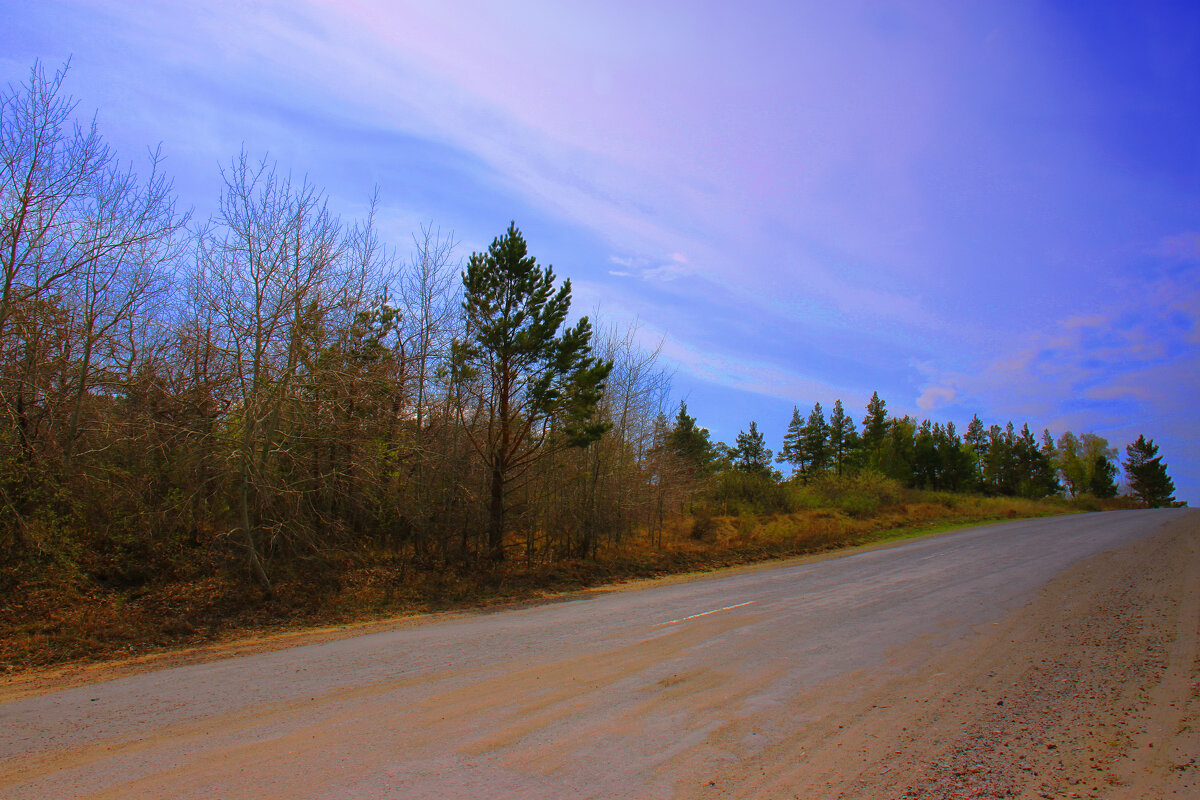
(280, 274)
(432, 308)
(85, 245)
(132, 234)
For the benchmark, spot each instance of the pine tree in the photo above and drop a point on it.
(1148, 479)
(955, 460)
(999, 457)
(1026, 463)
(1045, 476)
(924, 463)
(751, 453)
(537, 387)
(896, 455)
(843, 437)
(976, 442)
(816, 441)
(793, 451)
(1104, 478)
(690, 442)
(874, 425)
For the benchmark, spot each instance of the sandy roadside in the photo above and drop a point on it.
(1090, 691)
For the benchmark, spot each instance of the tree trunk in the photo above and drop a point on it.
(496, 515)
(256, 565)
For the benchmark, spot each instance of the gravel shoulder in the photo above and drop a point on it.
(1090, 691)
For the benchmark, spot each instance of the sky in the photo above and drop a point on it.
(985, 208)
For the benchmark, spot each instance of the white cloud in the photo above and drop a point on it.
(666, 272)
(737, 372)
(935, 396)
(645, 269)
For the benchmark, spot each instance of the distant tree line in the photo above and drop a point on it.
(929, 455)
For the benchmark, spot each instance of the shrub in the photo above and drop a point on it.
(859, 495)
(703, 525)
(736, 492)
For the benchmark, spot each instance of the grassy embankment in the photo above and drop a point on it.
(54, 612)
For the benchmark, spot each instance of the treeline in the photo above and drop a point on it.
(924, 455)
(274, 383)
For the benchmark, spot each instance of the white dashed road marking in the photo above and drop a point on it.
(703, 614)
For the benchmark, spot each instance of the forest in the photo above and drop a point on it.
(272, 411)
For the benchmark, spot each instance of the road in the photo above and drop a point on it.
(719, 686)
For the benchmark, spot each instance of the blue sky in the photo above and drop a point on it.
(987, 208)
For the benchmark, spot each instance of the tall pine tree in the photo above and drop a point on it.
(843, 436)
(815, 438)
(534, 381)
(1148, 479)
(793, 451)
(976, 443)
(874, 424)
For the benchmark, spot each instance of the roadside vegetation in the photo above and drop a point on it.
(270, 417)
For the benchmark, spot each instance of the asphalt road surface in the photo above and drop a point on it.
(651, 692)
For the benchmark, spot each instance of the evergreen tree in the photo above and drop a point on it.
(976, 436)
(955, 461)
(537, 387)
(815, 438)
(1032, 472)
(925, 460)
(1026, 457)
(843, 436)
(1148, 479)
(976, 443)
(793, 451)
(998, 467)
(724, 457)
(1045, 476)
(896, 454)
(690, 442)
(751, 453)
(875, 430)
(1104, 478)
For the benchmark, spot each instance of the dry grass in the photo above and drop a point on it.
(53, 618)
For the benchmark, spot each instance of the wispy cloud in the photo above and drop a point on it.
(934, 397)
(736, 371)
(676, 266)
(1126, 363)
(1183, 246)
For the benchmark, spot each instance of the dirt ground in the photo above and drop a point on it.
(1091, 691)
